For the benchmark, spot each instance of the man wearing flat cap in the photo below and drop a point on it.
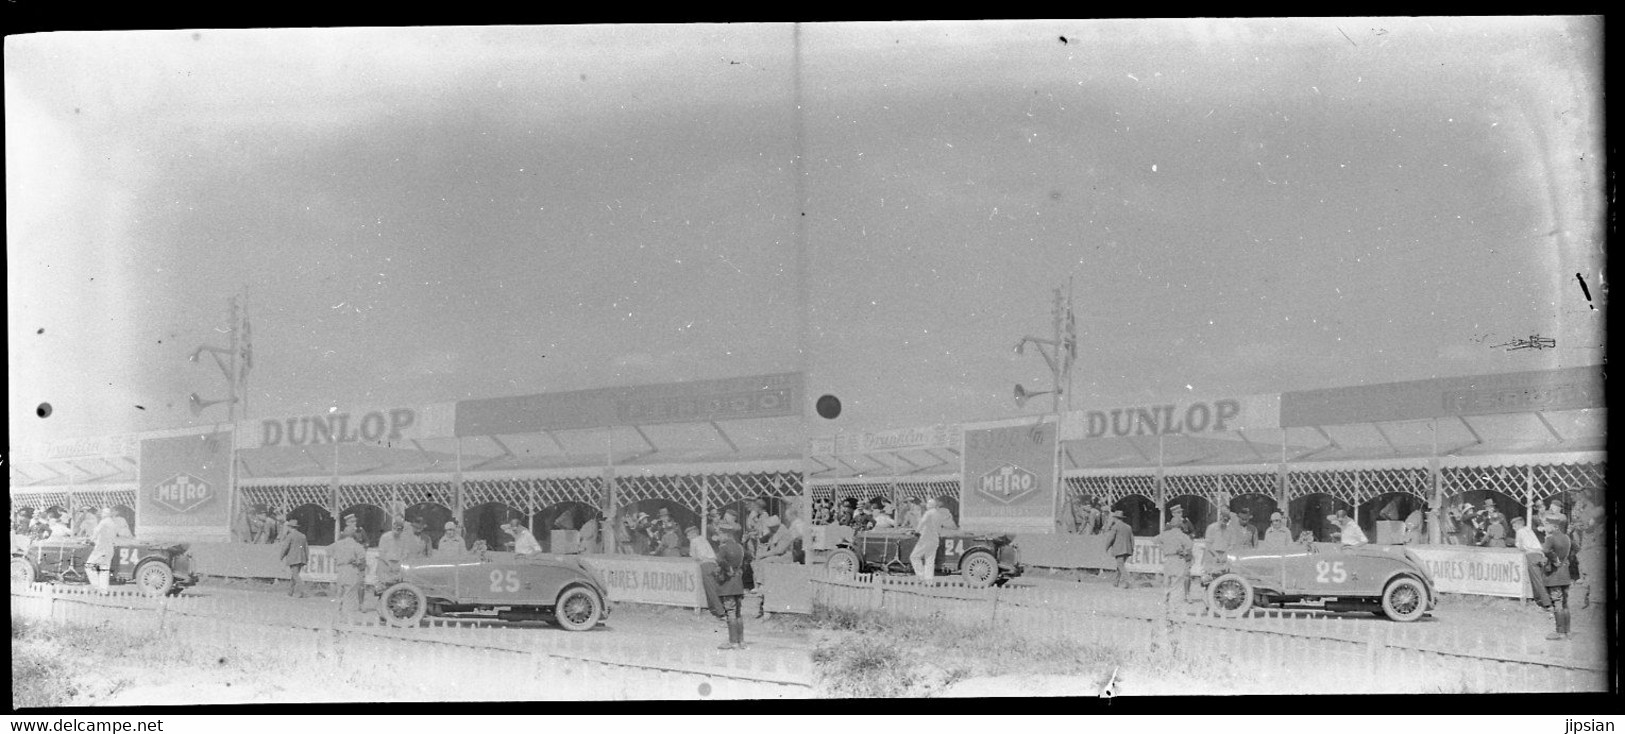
(1120, 545)
(295, 552)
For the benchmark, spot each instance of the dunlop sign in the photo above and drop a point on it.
(1189, 417)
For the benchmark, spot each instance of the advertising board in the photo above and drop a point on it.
(184, 485)
(1008, 476)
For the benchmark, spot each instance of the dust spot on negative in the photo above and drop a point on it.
(1055, 195)
(41, 331)
(197, 36)
(705, 689)
(44, 410)
(829, 407)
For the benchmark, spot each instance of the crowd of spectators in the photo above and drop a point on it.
(29, 526)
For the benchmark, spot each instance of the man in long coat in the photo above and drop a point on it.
(1120, 545)
(295, 552)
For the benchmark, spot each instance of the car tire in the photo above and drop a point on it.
(23, 572)
(154, 578)
(1230, 596)
(979, 569)
(842, 563)
(1404, 600)
(402, 605)
(578, 609)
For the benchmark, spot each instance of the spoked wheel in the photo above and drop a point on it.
(22, 572)
(578, 609)
(1404, 600)
(1230, 595)
(842, 563)
(979, 569)
(154, 578)
(403, 605)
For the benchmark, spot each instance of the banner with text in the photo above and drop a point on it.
(1458, 569)
(650, 579)
(758, 396)
(939, 436)
(1249, 412)
(184, 485)
(1008, 476)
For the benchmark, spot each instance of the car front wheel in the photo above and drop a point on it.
(842, 563)
(1230, 595)
(154, 578)
(22, 572)
(578, 609)
(403, 605)
(1405, 600)
(979, 569)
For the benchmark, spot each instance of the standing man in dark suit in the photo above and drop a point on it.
(294, 553)
(1557, 548)
(1120, 545)
(731, 583)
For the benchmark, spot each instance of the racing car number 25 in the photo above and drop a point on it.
(1330, 572)
(504, 581)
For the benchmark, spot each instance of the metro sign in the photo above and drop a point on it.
(1007, 484)
(182, 493)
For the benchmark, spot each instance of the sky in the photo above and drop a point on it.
(417, 215)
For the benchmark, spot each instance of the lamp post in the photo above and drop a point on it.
(1060, 353)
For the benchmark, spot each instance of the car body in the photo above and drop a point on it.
(555, 588)
(1387, 580)
(157, 568)
(983, 559)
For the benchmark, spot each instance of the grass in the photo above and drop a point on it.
(870, 654)
(41, 678)
(38, 679)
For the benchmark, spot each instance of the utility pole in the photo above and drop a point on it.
(236, 374)
(1059, 353)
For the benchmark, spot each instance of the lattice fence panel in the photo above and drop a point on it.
(1554, 479)
(1205, 486)
(1112, 489)
(684, 490)
(1415, 482)
(511, 492)
(1341, 484)
(382, 496)
(440, 493)
(100, 498)
(726, 488)
(927, 490)
(320, 495)
(1236, 484)
(39, 500)
(1512, 481)
(268, 496)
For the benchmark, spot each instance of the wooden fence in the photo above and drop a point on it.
(440, 660)
(1292, 651)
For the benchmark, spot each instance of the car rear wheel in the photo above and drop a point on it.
(1405, 600)
(979, 569)
(403, 605)
(842, 563)
(1230, 595)
(23, 572)
(154, 578)
(578, 609)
